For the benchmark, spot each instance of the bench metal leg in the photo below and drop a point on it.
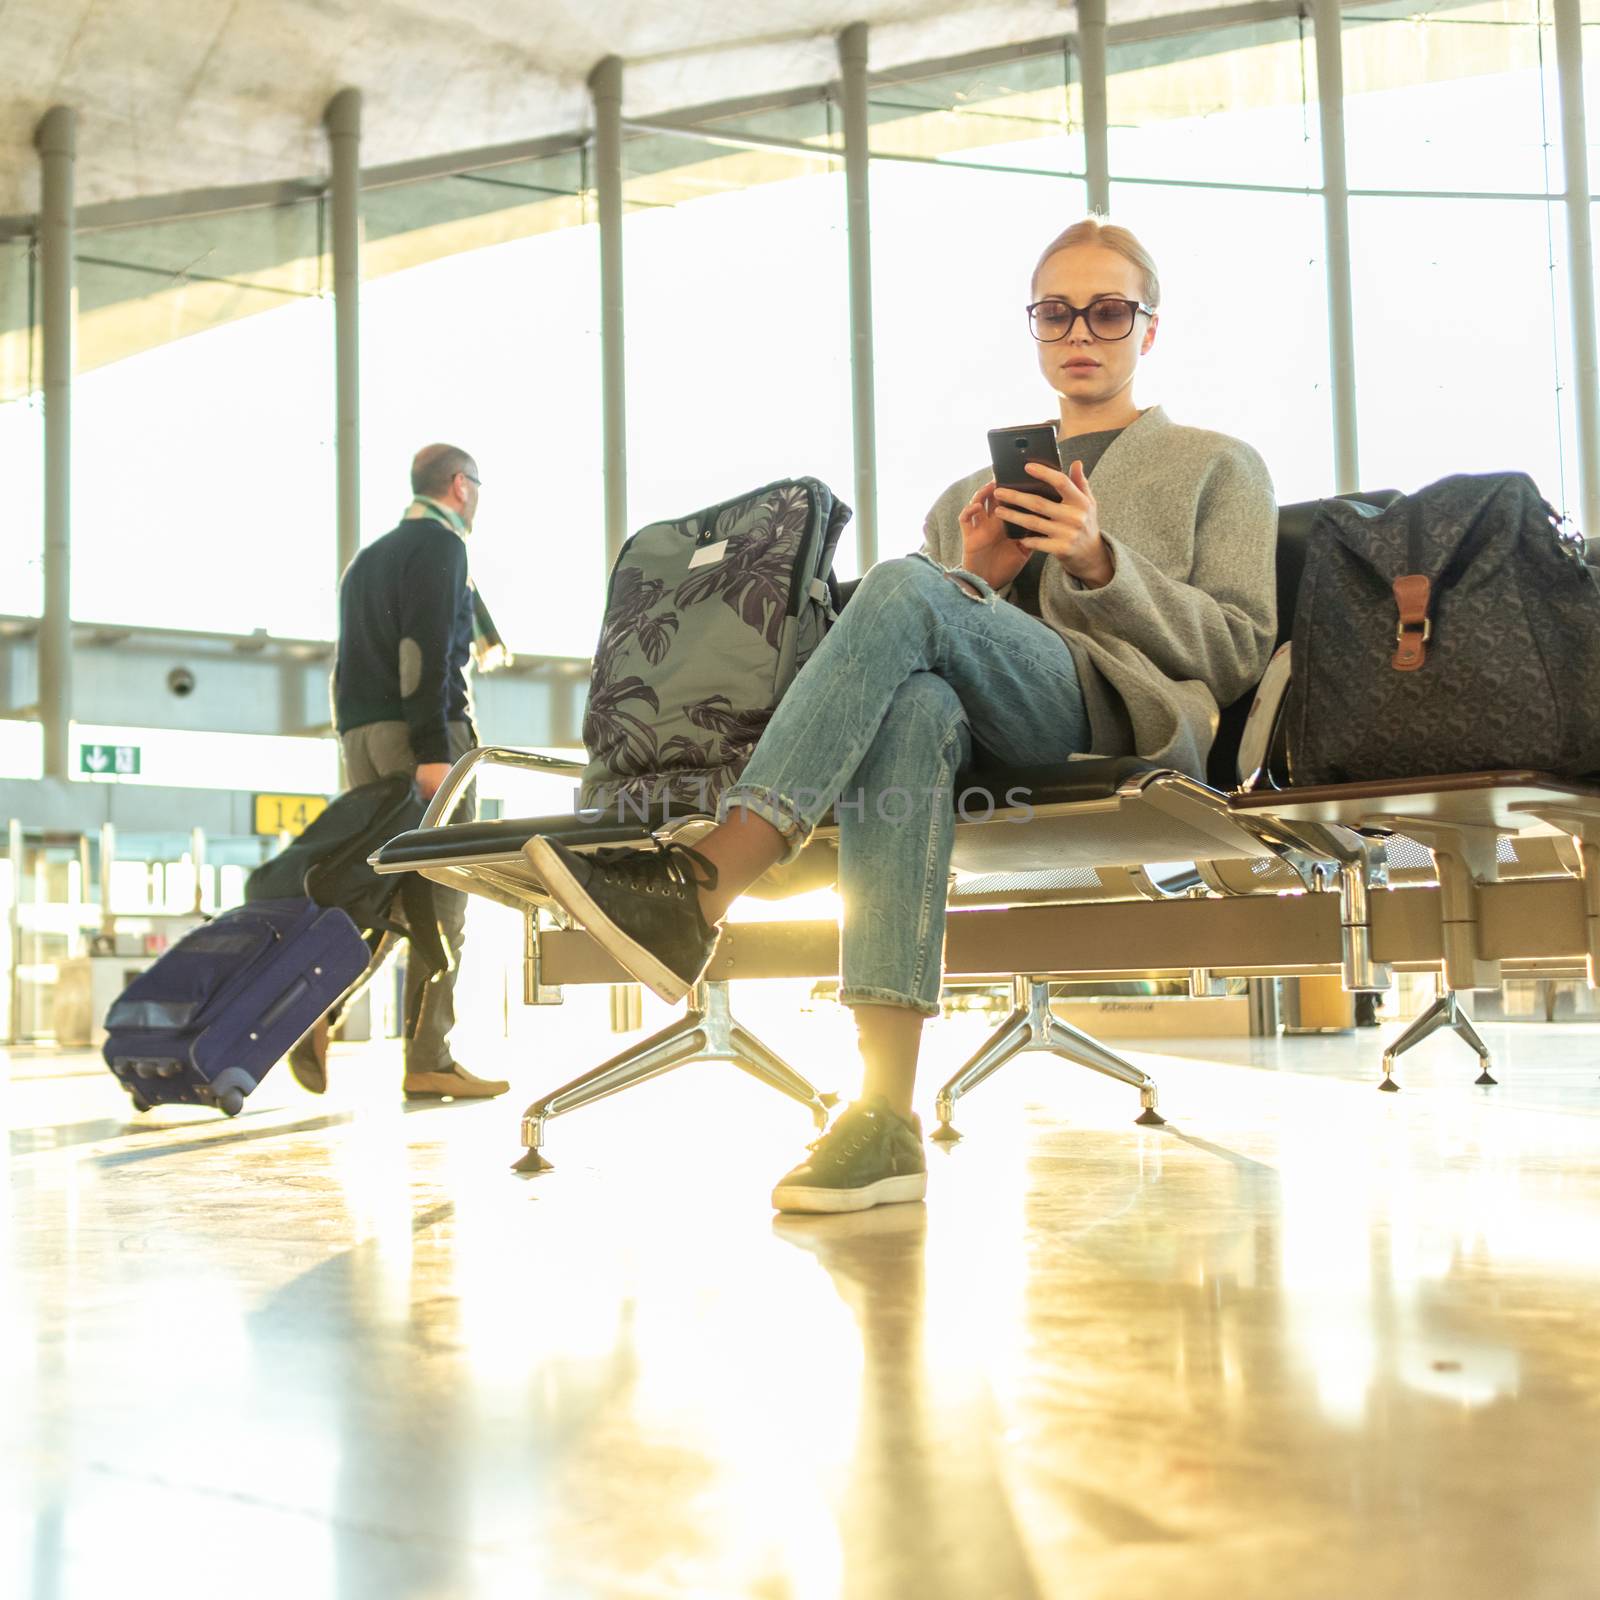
(1033, 1026)
(706, 1032)
(1445, 1012)
(746, 1051)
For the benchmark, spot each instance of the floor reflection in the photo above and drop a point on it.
(1307, 1341)
(925, 1510)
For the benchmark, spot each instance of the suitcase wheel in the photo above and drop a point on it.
(139, 1102)
(229, 1088)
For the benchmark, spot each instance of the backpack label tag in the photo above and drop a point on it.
(708, 554)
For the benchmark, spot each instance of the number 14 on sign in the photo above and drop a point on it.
(288, 813)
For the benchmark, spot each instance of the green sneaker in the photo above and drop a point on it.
(871, 1156)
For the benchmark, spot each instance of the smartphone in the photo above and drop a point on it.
(1010, 449)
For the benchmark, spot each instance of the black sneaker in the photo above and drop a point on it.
(639, 904)
(871, 1156)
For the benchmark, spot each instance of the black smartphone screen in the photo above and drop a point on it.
(1011, 448)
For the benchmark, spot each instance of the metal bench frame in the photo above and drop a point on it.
(1266, 884)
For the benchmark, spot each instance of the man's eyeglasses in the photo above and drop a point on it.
(477, 483)
(1109, 317)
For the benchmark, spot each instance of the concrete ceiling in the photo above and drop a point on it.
(190, 94)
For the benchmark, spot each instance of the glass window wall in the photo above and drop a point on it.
(202, 425)
(1452, 97)
(1463, 341)
(1227, 105)
(480, 327)
(1242, 345)
(738, 341)
(1025, 114)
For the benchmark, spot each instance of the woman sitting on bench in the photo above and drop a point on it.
(1117, 623)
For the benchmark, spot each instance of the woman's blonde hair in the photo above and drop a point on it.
(1092, 231)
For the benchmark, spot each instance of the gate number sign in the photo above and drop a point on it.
(288, 813)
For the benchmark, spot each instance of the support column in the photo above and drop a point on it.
(1092, 66)
(1580, 259)
(605, 87)
(108, 856)
(343, 122)
(197, 855)
(858, 236)
(14, 852)
(1336, 228)
(56, 141)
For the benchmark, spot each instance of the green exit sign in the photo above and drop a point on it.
(114, 760)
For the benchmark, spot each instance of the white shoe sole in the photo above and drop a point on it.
(886, 1191)
(573, 899)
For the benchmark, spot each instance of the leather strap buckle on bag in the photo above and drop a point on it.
(1411, 595)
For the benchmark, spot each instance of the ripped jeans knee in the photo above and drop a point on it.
(969, 583)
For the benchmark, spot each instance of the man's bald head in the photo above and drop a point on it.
(434, 468)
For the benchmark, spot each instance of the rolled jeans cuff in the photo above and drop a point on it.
(771, 807)
(857, 994)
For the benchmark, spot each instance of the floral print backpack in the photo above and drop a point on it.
(708, 619)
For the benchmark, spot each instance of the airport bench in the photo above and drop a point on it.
(1124, 870)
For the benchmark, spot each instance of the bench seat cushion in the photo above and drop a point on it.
(472, 843)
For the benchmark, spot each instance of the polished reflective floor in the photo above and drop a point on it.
(1308, 1341)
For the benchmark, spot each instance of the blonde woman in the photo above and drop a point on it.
(1114, 621)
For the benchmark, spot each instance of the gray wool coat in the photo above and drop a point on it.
(1188, 620)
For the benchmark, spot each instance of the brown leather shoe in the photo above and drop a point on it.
(452, 1083)
(308, 1059)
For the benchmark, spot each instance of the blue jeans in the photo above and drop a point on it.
(877, 726)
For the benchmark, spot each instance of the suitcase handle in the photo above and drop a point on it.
(291, 996)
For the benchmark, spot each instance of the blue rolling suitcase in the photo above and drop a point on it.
(205, 1024)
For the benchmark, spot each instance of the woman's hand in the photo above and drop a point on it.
(986, 548)
(1070, 530)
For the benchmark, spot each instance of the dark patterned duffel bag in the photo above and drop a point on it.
(1455, 630)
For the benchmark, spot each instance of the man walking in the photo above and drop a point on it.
(402, 704)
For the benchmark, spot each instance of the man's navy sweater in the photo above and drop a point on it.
(405, 636)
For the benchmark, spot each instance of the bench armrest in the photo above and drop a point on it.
(448, 795)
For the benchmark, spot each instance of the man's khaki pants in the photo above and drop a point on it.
(379, 750)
